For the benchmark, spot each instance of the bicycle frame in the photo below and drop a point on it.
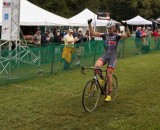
(95, 77)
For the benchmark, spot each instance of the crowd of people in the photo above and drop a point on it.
(57, 36)
(77, 36)
(68, 38)
(143, 36)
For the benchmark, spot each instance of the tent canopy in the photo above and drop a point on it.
(158, 20)
(31, 14)
(153, 20)
(81, 19)
(138, 20)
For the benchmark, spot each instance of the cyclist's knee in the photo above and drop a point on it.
(98, 63)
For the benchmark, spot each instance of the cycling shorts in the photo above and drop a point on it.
(111, 59)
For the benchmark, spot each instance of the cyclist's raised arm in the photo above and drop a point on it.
(92, 31)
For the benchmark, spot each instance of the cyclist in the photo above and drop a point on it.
(111, 39)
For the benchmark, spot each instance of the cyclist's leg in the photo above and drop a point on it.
(110, 70)
(99, 63)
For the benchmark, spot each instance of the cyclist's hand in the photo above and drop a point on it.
(89, 21)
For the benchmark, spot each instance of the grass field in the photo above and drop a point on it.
(54, 102)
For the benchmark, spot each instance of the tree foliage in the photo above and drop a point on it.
(120, 9)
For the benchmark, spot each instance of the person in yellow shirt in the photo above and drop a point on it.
(68, 49)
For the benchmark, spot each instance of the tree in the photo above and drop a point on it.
(120, 9)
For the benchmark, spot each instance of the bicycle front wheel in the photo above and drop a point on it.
(90, 95)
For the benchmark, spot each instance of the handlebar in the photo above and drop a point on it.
(92, 68)
(82, 70)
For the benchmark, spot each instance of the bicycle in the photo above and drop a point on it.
(93, 89)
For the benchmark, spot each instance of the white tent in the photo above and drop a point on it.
(158, 19)
(138, 20)
(81, 19)
(31, 14)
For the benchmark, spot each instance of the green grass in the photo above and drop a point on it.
(54, 102)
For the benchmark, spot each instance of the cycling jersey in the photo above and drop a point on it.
(110, 46)
(111, 42)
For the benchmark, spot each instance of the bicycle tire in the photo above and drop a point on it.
(114, 87)
(91, 94)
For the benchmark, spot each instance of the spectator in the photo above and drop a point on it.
(54, 31)
(57, 37)
(36, 39)
(75, 33)
(68, 49)
(138, 32)
(138, 41)
(143, 36)
(80, 46)
(80, 36)
(45, 51)
(121, 45)
(45, 38)
(148, 35)
(64, 33)
(51, 36)
(156, 36)
(87, 36)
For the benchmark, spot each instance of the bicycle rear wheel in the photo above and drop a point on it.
(114, 87)
(90, 95)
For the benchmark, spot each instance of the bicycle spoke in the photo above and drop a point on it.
(90, 96)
